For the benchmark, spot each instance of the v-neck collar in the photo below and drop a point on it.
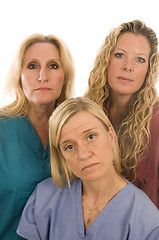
(35, 139)
(102, 218)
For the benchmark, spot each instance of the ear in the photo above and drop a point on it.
(111, 134)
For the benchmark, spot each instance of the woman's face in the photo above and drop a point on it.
(87, 147)
(42, 75)
(129, 64)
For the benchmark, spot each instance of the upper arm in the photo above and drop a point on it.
(27, 227)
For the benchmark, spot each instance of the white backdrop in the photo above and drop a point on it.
(82, 24)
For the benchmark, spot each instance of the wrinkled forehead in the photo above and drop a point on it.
(81, 123)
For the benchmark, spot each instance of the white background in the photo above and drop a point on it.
(82, 24)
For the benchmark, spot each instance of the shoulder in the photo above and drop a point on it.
(7, 124)
(46, 186)
(48, 191)
(154, 125)
(10, 123)
(139, 211)
(49, 206)
(10, 120)
(141, 202)
(135, 208)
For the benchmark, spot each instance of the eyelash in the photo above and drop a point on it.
(54, 66)
(121, 55)
(32, 66)
(68, 147)
(87, 137)
(92, 134)
(141, 60)
(35, 66)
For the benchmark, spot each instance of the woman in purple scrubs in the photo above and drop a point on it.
(88, 198)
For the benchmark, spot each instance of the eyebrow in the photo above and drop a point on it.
(126, 51)
(35, 59)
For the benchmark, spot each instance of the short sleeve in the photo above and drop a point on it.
(27, 226)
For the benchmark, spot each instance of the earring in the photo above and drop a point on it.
(107, 86)
(113, 159)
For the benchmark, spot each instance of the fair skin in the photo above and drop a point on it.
(87, 147)
(127, 70)
(42, 79)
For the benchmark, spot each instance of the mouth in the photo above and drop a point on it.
(89, 166)
(123, 79)
(43, 89)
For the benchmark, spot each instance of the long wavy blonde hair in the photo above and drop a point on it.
(134, 131)
(60, 116)
(13, 84)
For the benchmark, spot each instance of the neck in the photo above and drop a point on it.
(97, 196)
(117, 107)
(38, 112)
(39, 117)
(97, 192)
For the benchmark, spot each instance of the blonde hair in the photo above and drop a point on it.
(134, 131)
(60, 170)
(13, 86)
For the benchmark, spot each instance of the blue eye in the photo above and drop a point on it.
(91, 136)
(119, 55)
(69, 147)
(140, 59)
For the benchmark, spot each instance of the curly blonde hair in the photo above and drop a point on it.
(60, 116)
(13, 84)
(134, 131)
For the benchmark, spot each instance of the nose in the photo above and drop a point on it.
(84, 152)
(42, 75)
(128, 65)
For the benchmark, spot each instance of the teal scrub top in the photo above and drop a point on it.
(23, 164)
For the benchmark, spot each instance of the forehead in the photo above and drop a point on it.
(81, 122)
(134, 41)
(42, 49)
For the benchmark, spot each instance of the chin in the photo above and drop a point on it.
(91, 177)
(43, 103)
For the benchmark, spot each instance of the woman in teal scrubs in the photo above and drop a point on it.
(41, 77)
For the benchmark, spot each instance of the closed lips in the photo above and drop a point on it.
(43, 89)
(125, 79)
(89, 166)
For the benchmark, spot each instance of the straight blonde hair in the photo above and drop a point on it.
(13, 84)
(60, 170)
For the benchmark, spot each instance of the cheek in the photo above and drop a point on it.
(61, 80)
(72, 166)
(59, 77)
(25, 80)
(143, 73)
(67, 158)
(111, 69)
(141, 76)
(106, 148)
(71, 162)
(26, 84)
